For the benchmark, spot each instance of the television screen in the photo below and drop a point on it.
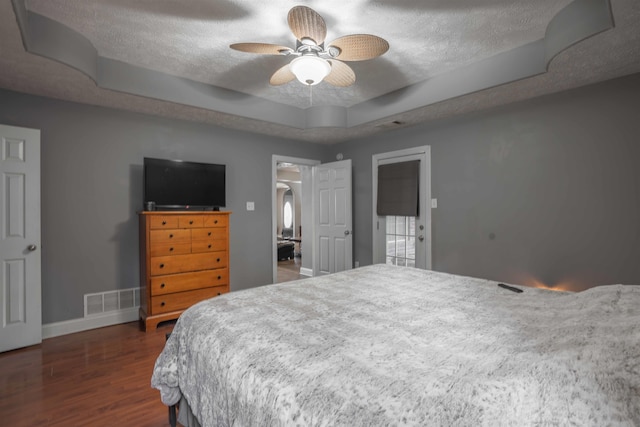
(176, 184)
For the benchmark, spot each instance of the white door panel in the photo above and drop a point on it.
(340, 250)
(341, 207)
(20, 291)
(324, 198)
(325, 253)
(333, 228)
(15, 292)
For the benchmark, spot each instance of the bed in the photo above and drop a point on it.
(385, 346)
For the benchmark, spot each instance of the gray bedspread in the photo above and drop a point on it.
(386, 346)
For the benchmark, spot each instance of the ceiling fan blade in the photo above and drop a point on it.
(282, 76)
(358, 47)
(261, 48)
(341, 74)
(307, 23)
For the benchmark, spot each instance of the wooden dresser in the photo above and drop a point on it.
(184, 258)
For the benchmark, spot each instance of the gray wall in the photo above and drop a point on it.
(92, 189)
(555, 180)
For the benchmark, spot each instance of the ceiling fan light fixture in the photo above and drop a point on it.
(310, 69)
(315, 63)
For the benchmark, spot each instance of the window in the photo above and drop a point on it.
(401, 240)
(288, 215)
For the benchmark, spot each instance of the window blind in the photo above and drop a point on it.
(398, 189)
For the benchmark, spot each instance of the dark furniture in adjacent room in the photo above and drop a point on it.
(286, 250)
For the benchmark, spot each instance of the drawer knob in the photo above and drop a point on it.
(170, 249)
(218, 260)
(219, 293)
(171, 236)
(162, 285)
(162, 304)
(215, 222)
(219, 277)
(161, 265)
(164, 222)
(209, 234)
(209, 246)
(190, 222)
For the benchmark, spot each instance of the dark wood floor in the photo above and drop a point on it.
(94, 378)
(289, 270)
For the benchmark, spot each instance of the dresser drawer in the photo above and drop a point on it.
(209, 233)
(161, 285)
(193, 262)
(163, 221)
(190, 221)
(172, 248)
(183, 300)
(167, 236)
(198, 246)
(216, 221)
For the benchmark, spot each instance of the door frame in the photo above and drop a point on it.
(425, 190)
(275, 159)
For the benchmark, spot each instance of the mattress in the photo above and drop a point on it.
(384, 345)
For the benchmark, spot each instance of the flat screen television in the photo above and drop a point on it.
(180, 185)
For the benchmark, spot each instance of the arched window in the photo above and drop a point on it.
(288, 209)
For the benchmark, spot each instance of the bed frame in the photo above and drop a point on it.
(173, 409)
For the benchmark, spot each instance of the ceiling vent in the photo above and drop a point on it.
(392, 124)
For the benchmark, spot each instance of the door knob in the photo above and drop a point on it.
(347, 232)
(421, 237)
(32, 247)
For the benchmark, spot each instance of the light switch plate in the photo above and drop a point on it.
(434, 203)
(251, 206)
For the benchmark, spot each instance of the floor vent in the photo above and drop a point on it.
(108, 302)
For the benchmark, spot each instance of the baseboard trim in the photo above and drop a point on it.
(57, 329)
(306, 272)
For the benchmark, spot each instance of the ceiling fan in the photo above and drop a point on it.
(313, 61)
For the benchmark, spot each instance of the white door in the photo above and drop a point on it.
(333, 231)
(20, 293)
(400, 240)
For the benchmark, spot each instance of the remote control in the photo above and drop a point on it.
(511, 288)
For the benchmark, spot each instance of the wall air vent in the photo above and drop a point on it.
(111, 301)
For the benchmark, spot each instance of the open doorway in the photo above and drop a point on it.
(292, 218)
(289, 228)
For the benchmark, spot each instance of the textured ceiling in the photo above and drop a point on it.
(191, 38)
(434, 68)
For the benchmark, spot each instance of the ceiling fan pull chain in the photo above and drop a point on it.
(310, 95)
